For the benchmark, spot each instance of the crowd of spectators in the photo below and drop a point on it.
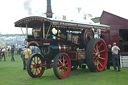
(11, 50)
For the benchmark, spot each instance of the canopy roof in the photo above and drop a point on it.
(36, 20)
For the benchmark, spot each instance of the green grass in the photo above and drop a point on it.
(12, 73)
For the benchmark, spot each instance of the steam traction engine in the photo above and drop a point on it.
(64, 45)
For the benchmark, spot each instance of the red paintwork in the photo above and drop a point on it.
(100, 55)
(64, 66)
(73, 55)
(35, 69)
(116, 24)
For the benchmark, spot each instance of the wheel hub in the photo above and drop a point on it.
(35, 65)
(62, 65)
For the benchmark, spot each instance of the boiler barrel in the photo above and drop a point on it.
(64, 48)
(53, 49)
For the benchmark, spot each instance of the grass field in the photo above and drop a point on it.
(12, 73)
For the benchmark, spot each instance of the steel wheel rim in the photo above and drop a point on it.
(36, 70)
(100, 55)
(63, 65)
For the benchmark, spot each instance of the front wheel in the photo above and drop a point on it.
(61, 65)
(34, 68)
(96, 55)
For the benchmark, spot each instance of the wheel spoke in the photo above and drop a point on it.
(97, 67)
(64, 60)
(66, 63)
(60, 61)
(33, 61)
(40, 68)
(100, 45)
(95, 54)
(102, 51)
(61, 58)
(99, 62)
(60, 67)
(101, 58)
(32, 69)
(65, 68)
(37, 59)
(35, 71)
(97, 48)
(62, 72)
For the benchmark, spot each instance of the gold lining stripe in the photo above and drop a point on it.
(64, 48)
(33, 42)
(59, 47)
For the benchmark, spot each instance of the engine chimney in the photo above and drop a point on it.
(49, 10)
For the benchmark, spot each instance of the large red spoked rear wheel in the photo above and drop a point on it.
(34, 68)
(96, 55)
(61, 65)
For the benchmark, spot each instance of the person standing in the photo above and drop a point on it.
(12, 53)
(109, 56)
(33, 49)
(27, 53)
(0, 54)
(22, 48)
(23, 58)
(3, 52)
(115, 57)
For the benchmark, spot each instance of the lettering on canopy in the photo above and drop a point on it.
(72, 24)
(67, 24)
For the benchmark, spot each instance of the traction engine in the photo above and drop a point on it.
(64, 46)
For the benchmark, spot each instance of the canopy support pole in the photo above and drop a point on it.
(48, 31)
(43, 30)
(26, 31)
(22, 32)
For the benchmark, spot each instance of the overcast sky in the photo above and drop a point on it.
(13, 10)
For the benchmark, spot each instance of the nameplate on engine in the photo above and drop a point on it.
(46, 43)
